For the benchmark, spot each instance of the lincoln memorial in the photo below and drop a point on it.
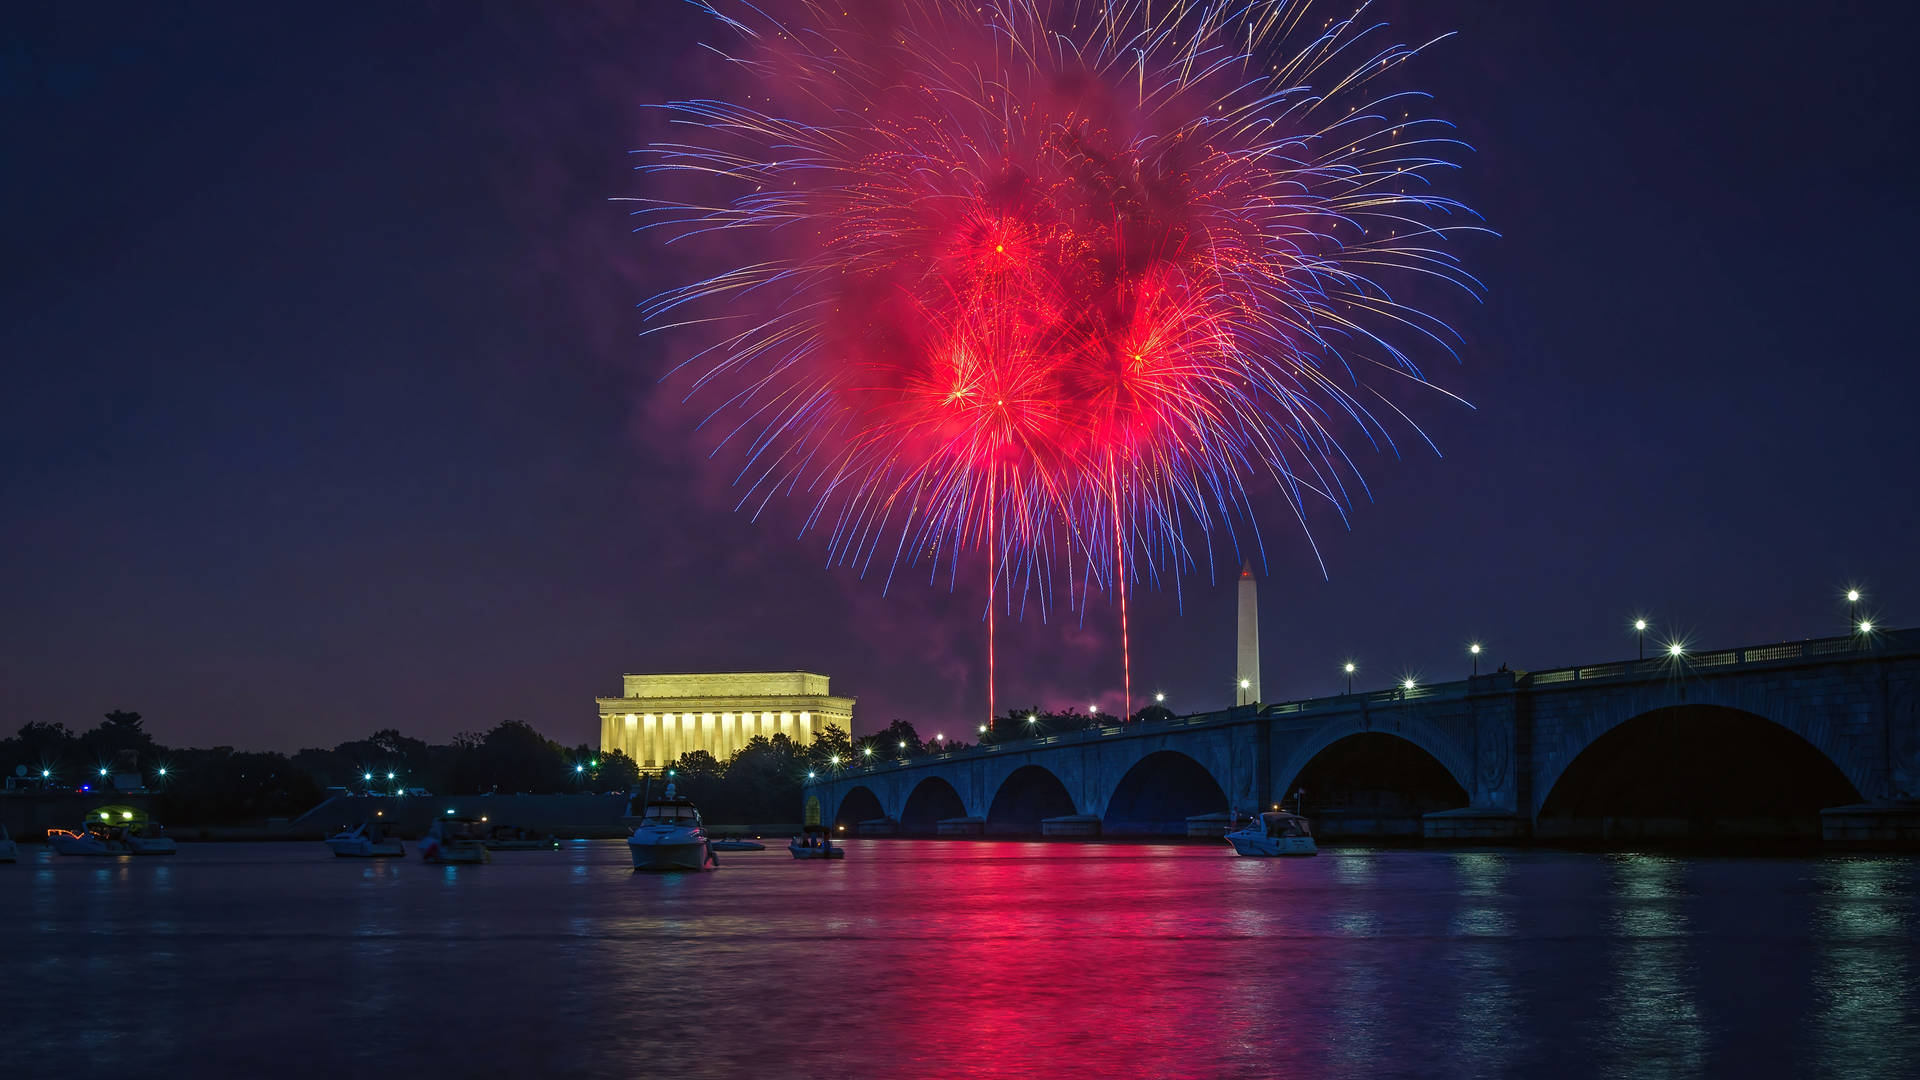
(660, 717)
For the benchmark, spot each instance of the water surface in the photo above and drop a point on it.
(928, 958)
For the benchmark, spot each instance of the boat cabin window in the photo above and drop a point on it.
(1285, 825)
(658, 812)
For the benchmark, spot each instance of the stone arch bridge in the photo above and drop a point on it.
(1510, 754)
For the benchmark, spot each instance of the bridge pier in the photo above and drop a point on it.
(1893, 826)
(1475, 825)
(1082, 826)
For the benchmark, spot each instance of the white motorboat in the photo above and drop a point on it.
(367, 840)
(454, 840)
(670, 836)
(815, 843)
(9, 851)
(1274, 833)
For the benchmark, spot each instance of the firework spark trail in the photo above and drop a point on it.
(1054, 279)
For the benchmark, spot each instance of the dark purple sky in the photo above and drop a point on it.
(323, 409)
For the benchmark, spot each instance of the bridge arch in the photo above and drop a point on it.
(1374, 784)
(1560, 738)
(1027, 796)
(1159, 792)
(1692, 771)
(931, 800)
(1436, 744)
(857, 804)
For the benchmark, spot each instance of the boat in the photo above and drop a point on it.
(454, 840)
(113, 830)
(737, 844)
(670, 836)
(91, 838)
(815, 842)
(1276, 832)
(514, 838)
(367, 840)
(9, 851)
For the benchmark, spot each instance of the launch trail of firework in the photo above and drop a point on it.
(1074, 285)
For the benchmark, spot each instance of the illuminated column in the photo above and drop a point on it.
(806, 727)
(709, 732)
(649, 738)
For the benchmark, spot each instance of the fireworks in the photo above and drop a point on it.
(1060, 284)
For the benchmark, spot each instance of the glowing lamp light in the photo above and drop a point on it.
(1853, 596)
(983, 729)
(1349, 667)
(163, 770)
(940, 738)
(103, 772)
(867, 750)
(45, 773)
(1474, 649)
(1033, 719)
(1866, 626)
(1159, 697)
(579, 768)
(834, 760)
(449, 811)
(366, 776)
(1406, 684)
(809, 774)
(595, 763)
(125, 814)
(389, 776)
(1676, 649)
(1246, 684)
(903, 744)
(1640, 624)
(1093, 709)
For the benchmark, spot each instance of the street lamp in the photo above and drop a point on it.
(1866, 626)
(1159, 697)
(1246, 684)
(1676, 650)
(1406, 684)
(1640, 632)
(834, 760)
(867, 750)
(1853, 606)
(1475, 650)
(983, 729)
(1349, 676)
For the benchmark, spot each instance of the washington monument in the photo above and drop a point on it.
(1246, 673)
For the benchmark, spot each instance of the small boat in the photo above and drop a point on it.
(670, 836)
(453, 840)
(1276, 832)
(815, 842)
(113, 830)
(738, 845)
(91, 838)
(367, 840)
(514, 838)
(9, 851)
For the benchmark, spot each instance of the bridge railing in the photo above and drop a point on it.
(1774, 653)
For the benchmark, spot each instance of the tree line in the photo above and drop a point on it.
(759, 783)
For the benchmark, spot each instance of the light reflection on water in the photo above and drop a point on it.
(924, 958)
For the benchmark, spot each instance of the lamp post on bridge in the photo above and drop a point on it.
(1475, 650)
(1853, 610)
(1349, 676)
(1640, 632)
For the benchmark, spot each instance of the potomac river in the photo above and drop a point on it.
(936, 959)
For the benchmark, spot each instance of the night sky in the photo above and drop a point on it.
(324, 409)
